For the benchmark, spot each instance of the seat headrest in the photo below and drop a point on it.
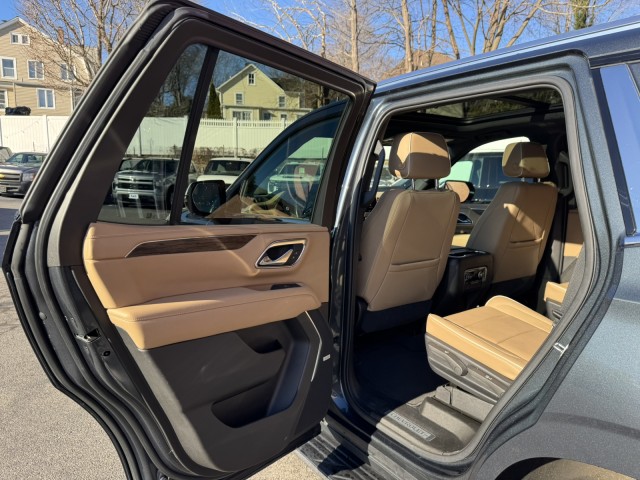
(419, 156)
(525, 160)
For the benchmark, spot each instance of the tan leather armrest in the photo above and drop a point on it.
(555, 292)
(196, 315)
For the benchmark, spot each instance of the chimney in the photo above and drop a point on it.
(60, 35)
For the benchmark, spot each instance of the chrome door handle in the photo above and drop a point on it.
(281, 254)
(278, 262)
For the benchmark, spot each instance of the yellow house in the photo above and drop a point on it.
(46, 87)
(252, 95)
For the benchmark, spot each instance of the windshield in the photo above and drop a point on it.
(150, 165)
(26, 158)
(226, 167)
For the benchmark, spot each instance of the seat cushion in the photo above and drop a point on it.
(502, 336)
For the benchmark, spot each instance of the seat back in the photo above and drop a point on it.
(406, 238)
(515, 227)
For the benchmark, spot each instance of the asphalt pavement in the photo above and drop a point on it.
(44, 434)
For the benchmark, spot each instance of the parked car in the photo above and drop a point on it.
(225, 169)
(5, 153)
(308, 312)
(147, 181)
(18, 171)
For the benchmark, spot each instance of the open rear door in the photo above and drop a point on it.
(197, 337)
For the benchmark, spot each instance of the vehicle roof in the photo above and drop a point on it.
(598, 41)
(230, 159)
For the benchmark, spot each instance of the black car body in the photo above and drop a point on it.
(208, 349)
(18, 171)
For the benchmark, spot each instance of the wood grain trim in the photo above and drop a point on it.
(190, 245)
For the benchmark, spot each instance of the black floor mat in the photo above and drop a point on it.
(394, 366)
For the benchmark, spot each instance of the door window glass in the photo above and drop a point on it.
(268, 180)
(143, 188)
(282, 178)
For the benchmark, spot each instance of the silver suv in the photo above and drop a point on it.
(298, 316)
(147, 182)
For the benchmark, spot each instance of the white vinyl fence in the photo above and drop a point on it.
(30, 133)
(156, 136)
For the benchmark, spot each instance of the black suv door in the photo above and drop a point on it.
(200, 344)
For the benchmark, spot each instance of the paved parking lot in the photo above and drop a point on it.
(45, 435)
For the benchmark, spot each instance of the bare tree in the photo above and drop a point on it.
(354, 33)
(304, 23)
(565, 15)
(77, 33)
(400, 28)
(356, 38)
(483, 25)
(407, 30)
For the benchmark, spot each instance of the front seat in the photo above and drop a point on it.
(515, 227)
(407, 237)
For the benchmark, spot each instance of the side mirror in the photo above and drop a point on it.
(465, 190)
(204, 197)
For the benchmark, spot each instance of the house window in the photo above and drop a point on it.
(241, 115)
(45, 98)
(283, 116)
(266, 115)
(239, 99)
(3, 99)
(252, 79)
(36, 69)
(9, 67)
(281, 101)
(66, 72)
(20, 38)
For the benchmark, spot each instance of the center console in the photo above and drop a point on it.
(466, 281)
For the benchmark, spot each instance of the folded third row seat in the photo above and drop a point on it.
(484, 349)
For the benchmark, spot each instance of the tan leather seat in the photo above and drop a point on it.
(555, 292)
(407, 237)
(484, 349)
(515, 227)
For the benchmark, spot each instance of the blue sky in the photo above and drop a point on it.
(7, 10)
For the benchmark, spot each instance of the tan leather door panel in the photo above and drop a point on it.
(168, 284)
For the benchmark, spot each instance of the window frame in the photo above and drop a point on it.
(20, 37)
(70, 72)
(239, 95)
(15, 68)
(251, 78)
(5, 99)
(36, 71)
(282, 101)
(242, 114)
(53, 98)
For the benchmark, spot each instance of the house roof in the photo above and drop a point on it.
(420, 60)
(12, 24)
(240, 74)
